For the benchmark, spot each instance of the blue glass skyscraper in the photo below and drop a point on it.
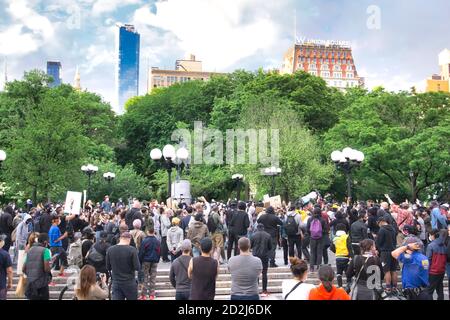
(127, 69)
(54, 70)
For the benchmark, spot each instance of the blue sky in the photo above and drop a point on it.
(224, 34)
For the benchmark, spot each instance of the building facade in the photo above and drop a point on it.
(331, 60)
(441, 82)
(185, 70)
(127, 64)
(54, 70)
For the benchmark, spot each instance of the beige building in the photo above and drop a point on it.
(441, 82)
(185, 70)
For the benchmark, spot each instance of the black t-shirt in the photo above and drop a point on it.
(123, 261)
(78, 224)
(5, 262)
(45, 223)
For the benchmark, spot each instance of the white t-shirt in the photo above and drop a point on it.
(300, 293)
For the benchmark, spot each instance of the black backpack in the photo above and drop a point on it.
(212, 226)
(291, 226)
(95, 258)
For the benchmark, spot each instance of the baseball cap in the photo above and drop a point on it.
(186, 245)
(410, 240)
(446, 206)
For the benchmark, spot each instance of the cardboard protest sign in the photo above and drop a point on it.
(73, 202)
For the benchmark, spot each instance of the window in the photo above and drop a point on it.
(337, 74)
(313, 73)
(349, 68)
(349, 75)
(337, 68)
(325, 74)
(313, 66)
(325, 67)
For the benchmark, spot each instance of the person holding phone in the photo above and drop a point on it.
(89, 286)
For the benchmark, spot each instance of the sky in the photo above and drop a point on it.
(395, 43)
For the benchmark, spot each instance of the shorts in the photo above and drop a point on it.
(388, 262)
(217, 240)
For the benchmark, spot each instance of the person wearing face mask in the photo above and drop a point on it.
(415, 269)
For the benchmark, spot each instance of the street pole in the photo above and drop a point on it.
(169, 172)
(273, 186)
(239, 190)
(89, 186)
(349, 186)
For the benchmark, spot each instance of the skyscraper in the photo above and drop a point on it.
(54, 70)
(127, 68)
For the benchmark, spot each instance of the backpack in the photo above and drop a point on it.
(291, 226)
(315, 229)
(94, 258)
(75, 256)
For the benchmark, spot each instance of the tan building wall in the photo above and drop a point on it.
(165, 78)
(437, 85)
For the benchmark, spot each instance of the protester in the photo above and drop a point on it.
(56, 247)
(316, 229)
(149, 256)
(237, 228)
(133, 214)
(165, 225)
(245, 270)
(122, 261)
(297, 289)
(358, 269)
(203, 271)
(415, 269)
(386, 243)
(179, 272)
(137, 234)
(326, 290)
(216, 228)
(175, 239)
(196, 233)
(261, 244)
(6, 226)
(358, 231)
(342, 247)
(271, 223)
(89, 288)
(37, 269)
(96, 256)
(292, 227)
(6, 270)
(437, 256)
(106, 205)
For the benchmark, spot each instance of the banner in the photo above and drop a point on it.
(73, 202)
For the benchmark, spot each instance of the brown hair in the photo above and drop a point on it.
(87, 280)
(326, 276)
(32, 238)
(366, 245)
(298, 267)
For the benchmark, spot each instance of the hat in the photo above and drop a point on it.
(411, 239)
(186, 245)
(126, 235)
(446, 206)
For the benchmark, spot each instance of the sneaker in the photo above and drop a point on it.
(142, 297)
(273, 265)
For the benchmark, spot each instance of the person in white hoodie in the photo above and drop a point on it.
(165, 225)
(23, 231)
(175, 239)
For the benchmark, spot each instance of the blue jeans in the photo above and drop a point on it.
(236, 297)
(182, 295)
(122, 291)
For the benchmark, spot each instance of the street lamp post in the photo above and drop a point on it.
(89, 170)
(238, 178)
(2, 157)
(347, 160)
(272, 172)
(109, 176)
(169, 159)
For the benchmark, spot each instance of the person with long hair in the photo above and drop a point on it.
(88, 287)
(361, 267)
(316, 230)
(326, 290)
(296, 288)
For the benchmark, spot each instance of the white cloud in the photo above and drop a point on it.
(391, 82)
(28, 32)
(218, 32)
(105, 6)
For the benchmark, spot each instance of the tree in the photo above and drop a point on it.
(45, 157)
(404, 137)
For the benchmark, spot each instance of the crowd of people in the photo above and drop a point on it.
(118, 248)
